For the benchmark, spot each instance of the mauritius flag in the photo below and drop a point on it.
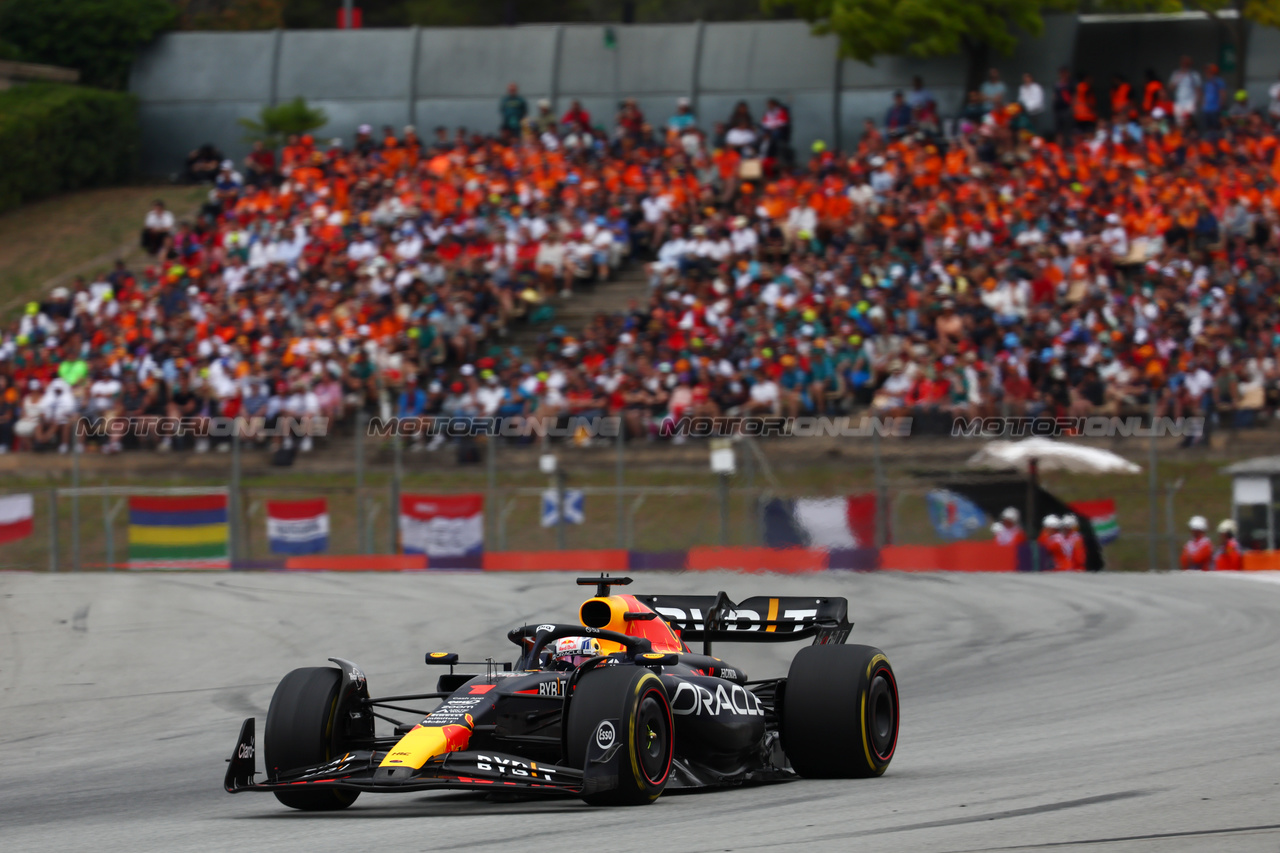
(1102, 514)
(181, 532)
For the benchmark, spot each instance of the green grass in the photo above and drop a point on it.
(65, 234)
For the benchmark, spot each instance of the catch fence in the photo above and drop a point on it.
(637, 496)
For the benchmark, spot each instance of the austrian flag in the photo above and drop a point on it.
(15, 517)
(298, 527)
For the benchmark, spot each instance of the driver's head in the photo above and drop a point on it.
(573, 651)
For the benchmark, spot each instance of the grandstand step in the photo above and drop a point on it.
(575, 312)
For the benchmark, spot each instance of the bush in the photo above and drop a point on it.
(98, 37)
(55, 138)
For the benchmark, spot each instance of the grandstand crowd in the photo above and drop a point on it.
(1060, 252)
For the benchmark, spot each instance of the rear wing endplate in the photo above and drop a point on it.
(760, 619)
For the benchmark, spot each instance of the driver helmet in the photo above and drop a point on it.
(574, 651)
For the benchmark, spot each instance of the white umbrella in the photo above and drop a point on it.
(1048, 455)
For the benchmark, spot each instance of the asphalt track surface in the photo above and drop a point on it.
(1117, 712)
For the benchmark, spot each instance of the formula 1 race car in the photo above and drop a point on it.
(614, 710)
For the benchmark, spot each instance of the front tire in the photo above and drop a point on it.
(300, 733)
(840, 712)
(636, 698)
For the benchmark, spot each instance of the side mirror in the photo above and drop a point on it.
(441, 658)
(657, 658)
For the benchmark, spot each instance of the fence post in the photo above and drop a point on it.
(724, 509)
(393, 521)
(108, 533)
(53, 530)
(560, 531)
(1153, 497)
(414, 64)
(882, 496)
(234, 499)
(622, 499)
(491, 461)
(362, 427)
(75, 500)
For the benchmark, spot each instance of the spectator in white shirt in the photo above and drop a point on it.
(156, 228)
(410, 246)
(669, 257)
(764, 396)
(743, 237)
(1031, 97)
(550, 261)
(1115, 238)
(802, 221)
(1273, 108)
(58, 408)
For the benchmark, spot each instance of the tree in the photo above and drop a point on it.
(275, 123)
(97, 37)
(922, 28)
(230, 14)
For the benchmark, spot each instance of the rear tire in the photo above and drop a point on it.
(636, 698)
(840, 712)
(300, 733)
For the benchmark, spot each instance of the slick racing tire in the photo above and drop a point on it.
(635, 698)
(840, 712)
(300, 733)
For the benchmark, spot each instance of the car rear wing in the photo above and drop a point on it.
(760, 619)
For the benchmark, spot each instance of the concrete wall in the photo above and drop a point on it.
(193, 86)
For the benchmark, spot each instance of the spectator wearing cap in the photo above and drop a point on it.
(1008, 531)
(683, 119)
(545, 121)
(512, 108)
(1051, 544)
(1197, 552)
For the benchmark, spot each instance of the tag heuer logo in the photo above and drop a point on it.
(605, 735)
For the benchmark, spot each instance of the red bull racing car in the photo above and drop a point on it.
(614, 710)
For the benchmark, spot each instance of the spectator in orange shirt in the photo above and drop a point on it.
(1051, 543)
(1008, 531)
(1072, 544)
(1198, 552)
(1228, 557)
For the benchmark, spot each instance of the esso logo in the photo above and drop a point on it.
(605, 735)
